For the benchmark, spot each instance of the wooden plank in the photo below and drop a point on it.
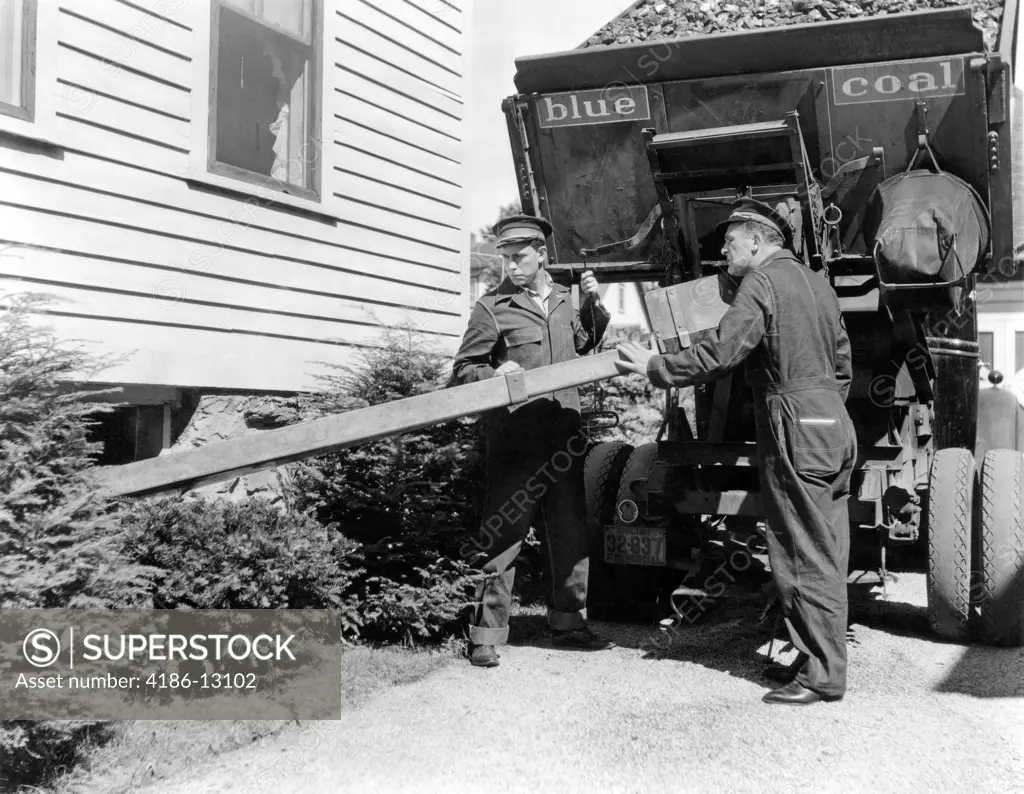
(400, 119)
(368, 276)
(376, 189)
(440, 173)
(135, 22)
(791, 47)
(224, 460)
(153, 354)
(84, 70)
(386, 19)
(213, 235)
(360, 34)
(384, 85)
(279, 307)
(86, 105)
(124, 52)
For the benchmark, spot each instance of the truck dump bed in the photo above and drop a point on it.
(864, 88)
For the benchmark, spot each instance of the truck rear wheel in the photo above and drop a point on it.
(602, 470)
(635, 589)
(950, 510)
(1001, 548)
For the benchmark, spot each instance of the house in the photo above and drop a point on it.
(229, 195)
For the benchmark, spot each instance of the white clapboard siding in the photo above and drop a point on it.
(177, 12)
(442, 173)
(381, 17)
(201, 286)
(93, 74)
(435, 20)
(373, 166)
(86, 134)
(360, 28)
(186, 262)
(401, 119)
(84, 104)
(369, 181)
(224, 221)
(123, 51)
(388, 87)
(162, 288)
(212, 360)
(404, 227)
(209, 234)
(146, 310)
(135, 22)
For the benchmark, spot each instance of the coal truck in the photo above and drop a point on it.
(890, 142)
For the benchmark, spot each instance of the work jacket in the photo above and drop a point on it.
(506, 325)
(784, 322)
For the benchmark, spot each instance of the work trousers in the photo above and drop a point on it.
(534, 469)
(807, 449)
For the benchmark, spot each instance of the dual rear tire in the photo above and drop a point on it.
(957, 502)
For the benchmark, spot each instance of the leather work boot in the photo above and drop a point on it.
(795, 694)
(484, 656)
(581, 639)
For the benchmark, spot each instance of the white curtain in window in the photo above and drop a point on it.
(11, 51)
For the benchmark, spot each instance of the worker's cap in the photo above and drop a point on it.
(519, 229)
(748, 209)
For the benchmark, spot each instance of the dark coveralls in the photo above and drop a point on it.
(533, 451)
(786, 323)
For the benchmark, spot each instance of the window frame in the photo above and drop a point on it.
(205, 169)
(26, 111)
(37, 120)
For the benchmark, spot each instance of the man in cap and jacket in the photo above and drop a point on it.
(533, 450)
(785, 323)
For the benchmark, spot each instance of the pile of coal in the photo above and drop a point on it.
(654, 20)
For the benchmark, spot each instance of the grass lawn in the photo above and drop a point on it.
(143, 752)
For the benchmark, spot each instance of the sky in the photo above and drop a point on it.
(500, 32)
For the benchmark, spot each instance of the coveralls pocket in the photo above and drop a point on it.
(524, 346)
(818, 444)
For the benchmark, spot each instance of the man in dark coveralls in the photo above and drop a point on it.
(786, 324)
(533, 450)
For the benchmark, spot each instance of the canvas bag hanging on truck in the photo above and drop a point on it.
(928, 231)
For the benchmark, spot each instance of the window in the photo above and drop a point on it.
(622, 298)
(17, 58)
(986, 340)
(1018, 351)
(265, 87)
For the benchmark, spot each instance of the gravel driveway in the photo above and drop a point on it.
(920, 715)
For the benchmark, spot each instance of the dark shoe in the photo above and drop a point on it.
(785, 674)
(795, 694)
(581, 639)
(484, 656)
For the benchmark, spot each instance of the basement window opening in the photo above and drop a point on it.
(265, 93)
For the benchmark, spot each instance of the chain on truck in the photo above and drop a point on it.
(890, 140)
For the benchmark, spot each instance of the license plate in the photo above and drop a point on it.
(625, 545)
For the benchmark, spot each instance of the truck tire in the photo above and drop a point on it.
(636, 590)
(602, 469)
(1001, 548)
(950, 510)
